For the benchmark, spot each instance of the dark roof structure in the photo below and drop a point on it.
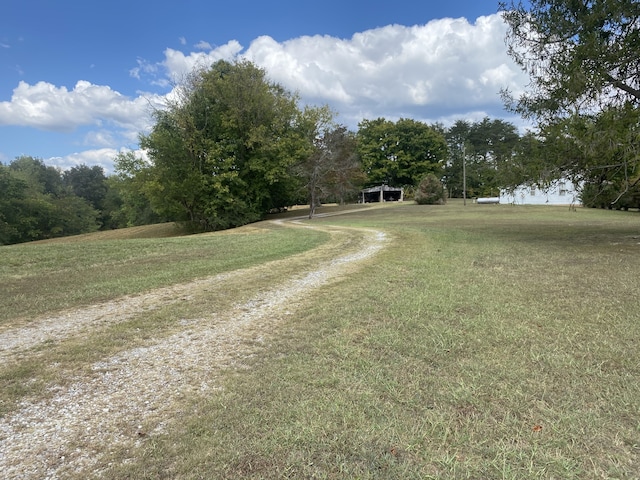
(381, 193)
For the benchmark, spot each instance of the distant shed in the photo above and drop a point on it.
(382, 193)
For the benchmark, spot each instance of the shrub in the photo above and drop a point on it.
(430, 191)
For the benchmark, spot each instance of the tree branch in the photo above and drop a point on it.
(623, 86)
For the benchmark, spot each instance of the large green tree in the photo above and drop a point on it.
(221, 153)
(400, 153)
(87, 182)
(579, 54)
(583, 59)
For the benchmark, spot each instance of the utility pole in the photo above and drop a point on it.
(464, 175)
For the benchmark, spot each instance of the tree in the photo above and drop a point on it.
(457, 138)
(488, 148)
(332, 167)
(529, 164)
(601, 150)
(89, 183)
(400, 153)
(39, 177)
(221, 154)
(127, 203)
(583, 59)
(34, 204)
(12, 194)
(580, 55)
(347, 177)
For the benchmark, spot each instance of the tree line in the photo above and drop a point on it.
(232, 146)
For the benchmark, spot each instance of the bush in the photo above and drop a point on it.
(430, 191)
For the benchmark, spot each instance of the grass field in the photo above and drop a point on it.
(482, 342)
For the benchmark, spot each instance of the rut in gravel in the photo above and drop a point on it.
(136, 393)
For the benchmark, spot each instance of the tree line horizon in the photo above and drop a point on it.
(233, 146)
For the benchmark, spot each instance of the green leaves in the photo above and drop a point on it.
(400, 153)
(34, 204)
(221, 153)
(579, 55)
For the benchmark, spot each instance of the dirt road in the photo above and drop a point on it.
(140, 391)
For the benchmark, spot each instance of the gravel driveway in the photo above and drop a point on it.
(138, 392)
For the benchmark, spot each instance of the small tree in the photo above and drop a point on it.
(430, 191)
(333, 169)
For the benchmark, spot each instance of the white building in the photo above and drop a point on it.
(560, 192)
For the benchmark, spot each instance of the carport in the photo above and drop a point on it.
(381, 193)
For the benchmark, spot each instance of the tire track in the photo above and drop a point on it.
(132, 394)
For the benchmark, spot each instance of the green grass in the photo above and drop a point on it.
(42, 277)
(483, 342)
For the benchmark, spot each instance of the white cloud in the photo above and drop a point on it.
(144, 67)
(47, 107)
(102, 157)
(202, 45)
(435, 70)
(445, 65)
(102, 138)
(432, 71)
(442, 71)
(178, 64)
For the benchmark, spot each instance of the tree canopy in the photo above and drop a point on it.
(221, 154)
(35, 204)
(488, 149)
(581, 55)
(400, 153)
(583, 59)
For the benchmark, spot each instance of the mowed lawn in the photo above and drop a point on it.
(486, 341)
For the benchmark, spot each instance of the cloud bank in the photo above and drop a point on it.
(440, 70)
(444, 70)
(47, 107)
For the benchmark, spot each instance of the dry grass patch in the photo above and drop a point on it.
(482, 343)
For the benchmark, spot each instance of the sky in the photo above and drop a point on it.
(79, 79)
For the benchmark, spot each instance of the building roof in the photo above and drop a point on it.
(384, 188)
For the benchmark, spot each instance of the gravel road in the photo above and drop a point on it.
(136, 393)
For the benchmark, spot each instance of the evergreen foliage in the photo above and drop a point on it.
(584, 64)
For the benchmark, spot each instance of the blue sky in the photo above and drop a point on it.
(78, 79)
